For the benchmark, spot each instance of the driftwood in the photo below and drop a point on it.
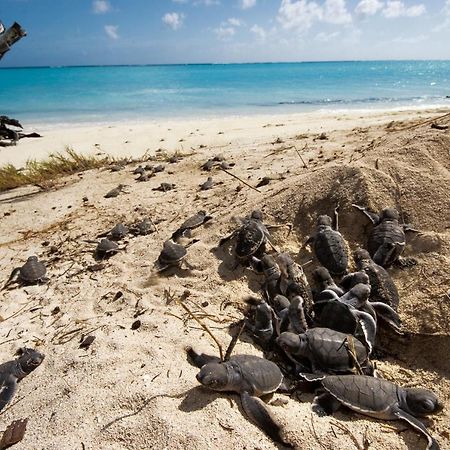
(10, 36)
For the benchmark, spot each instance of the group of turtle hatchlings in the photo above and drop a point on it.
(325, 335)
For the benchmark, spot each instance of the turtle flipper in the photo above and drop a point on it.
(388, 314)
(325, 404)
(260, 415)
(419, 426)
(200, 359)
(7, 390)
(374, 218)
(368, 327)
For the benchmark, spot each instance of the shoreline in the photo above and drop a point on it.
(136, 138)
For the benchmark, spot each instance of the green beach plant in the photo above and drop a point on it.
(45, 173)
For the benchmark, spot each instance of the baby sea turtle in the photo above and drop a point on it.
(250, 377)
(119, 231)
(208, 184)
(171, 255)
(139, 170)
(190, 223)
(381, 399)
(33, 271)
(164, 187)
(105, 248)
(387, 239)
(262, 326)
(159, 168)
(116, 191)
(329, 246)
(12, 372)
(383, 288)
(325, 281)
(143, 227)
(293, 279)
(328, 351)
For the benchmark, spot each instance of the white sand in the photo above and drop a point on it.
(104, 397)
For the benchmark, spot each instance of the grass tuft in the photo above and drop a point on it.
(44, 173)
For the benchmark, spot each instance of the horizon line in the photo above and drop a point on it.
(222, 63)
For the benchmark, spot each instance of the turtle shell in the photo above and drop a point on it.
(364, 394)
(145, 227)
(331, 250)
(250, 239)
(383, 288)
(335, 315)
(391, 235)
(105, 247)
(194, 221)
(33, 270)
(258, 376)
(327, 349)
(119, 231)
(171, 253)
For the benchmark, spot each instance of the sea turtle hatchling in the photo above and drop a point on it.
(143, 227)
(12, 372)
(387, 238)
(378, 398)
(171, 255)
(329, 245)
(198, 219)
(250, 377)
(119, 231)
(33, 271)
(164, 187)
(208, 184)
(115, 192)
(383, 288)
(105, 248)
(328, 351)
(325, 281)
(251, 237)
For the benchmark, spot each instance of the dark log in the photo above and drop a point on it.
(10, 37)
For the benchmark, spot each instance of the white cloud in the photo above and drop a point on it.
(111, 31)
(101, 6)
(368, 7)
(259, 32)
(247, 4)
(234, 22)
(174, 20)
(206, 2)
(301, 14)
(396, 8)
(335, 11)
(327, 37)
(224, 33)
(298, 14)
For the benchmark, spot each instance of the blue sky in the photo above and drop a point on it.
(78, 32)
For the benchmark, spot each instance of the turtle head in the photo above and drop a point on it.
(422, 402)
(361, 291)
(32, 258)
(213, 376)
(257, 214)
(29, 359)
(360, 255)
(389, 214)
(324, 221)
(321, 274)
(293, 343)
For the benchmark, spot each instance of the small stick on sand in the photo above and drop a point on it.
(234, 341)
(241, 180)
(205, 328)
(300, 156)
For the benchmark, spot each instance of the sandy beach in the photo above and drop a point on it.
(133, 387)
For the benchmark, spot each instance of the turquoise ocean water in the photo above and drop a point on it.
(110, 93)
